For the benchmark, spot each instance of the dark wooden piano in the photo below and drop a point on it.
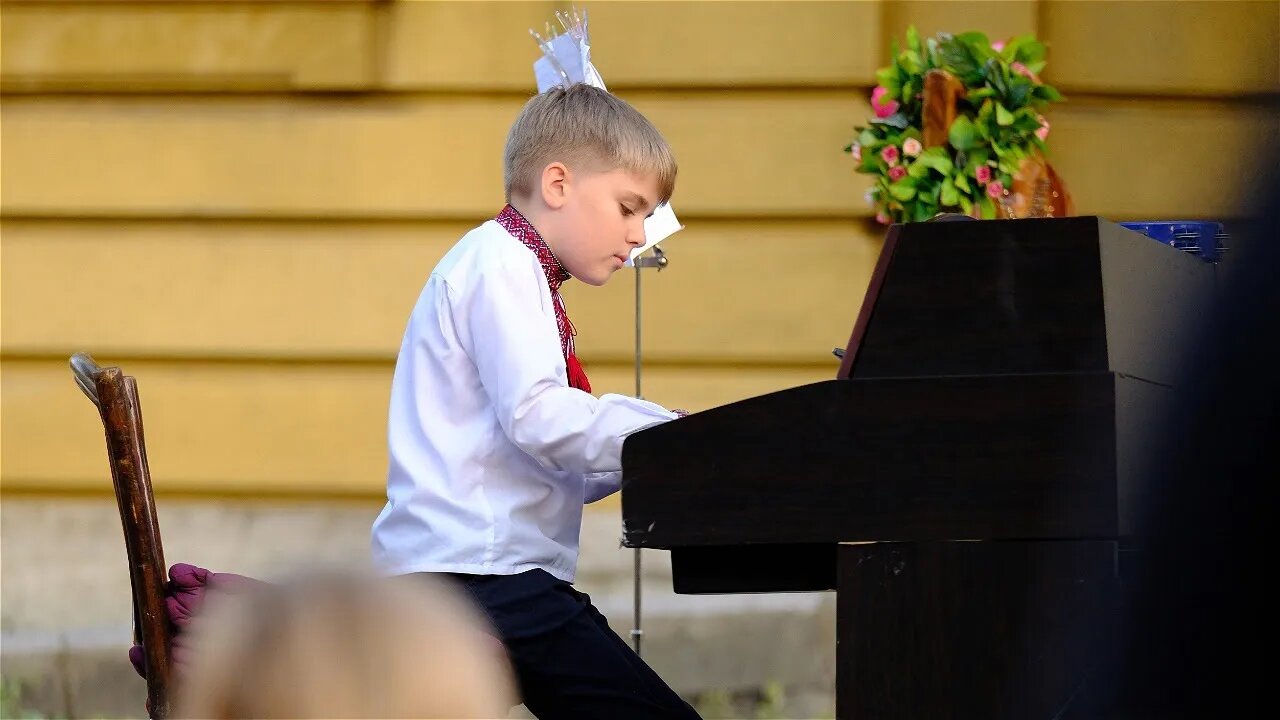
(965, 483)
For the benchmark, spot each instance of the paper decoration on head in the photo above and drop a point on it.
(566, 60)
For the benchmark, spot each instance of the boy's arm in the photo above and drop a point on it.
(517, 352)
(600, 486)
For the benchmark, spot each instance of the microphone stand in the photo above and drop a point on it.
(657, 259)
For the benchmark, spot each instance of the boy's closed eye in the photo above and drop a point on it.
(628, 212)
(636, 203)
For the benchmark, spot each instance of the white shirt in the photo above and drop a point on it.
(492, 454)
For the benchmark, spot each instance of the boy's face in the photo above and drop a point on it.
(598, 218)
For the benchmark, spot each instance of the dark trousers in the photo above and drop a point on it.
(568, 661)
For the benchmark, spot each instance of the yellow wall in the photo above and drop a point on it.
(238, 201)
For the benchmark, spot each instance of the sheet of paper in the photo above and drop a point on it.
(657, 227)
(569, 56)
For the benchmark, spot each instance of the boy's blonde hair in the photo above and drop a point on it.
(584, 127)
(344, 645)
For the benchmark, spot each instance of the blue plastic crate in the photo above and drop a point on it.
(1206, 240)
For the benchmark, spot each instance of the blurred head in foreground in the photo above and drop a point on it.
(344, 646)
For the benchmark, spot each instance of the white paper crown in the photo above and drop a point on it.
(566, 60)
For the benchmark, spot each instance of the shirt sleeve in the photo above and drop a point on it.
(600, 486)
(512, 334)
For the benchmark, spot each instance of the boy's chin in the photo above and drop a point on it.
(597, 280)
(596, 274)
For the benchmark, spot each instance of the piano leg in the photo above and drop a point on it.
(989, 630)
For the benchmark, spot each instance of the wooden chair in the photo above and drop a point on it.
(116, 396)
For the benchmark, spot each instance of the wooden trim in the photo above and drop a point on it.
(868, 303)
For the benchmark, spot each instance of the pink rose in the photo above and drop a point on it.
(995, 190)
(882, 218)
(982, 174)
(883, 109)
(890, 155)
(1042, 132)
(1025, 72)
(857, 152)
(998, 46)
(897, 173)
(911, 147)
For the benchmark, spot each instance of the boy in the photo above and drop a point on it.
(495, 441)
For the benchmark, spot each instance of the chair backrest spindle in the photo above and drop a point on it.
(116, 396)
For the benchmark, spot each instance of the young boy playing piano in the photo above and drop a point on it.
(495, 440)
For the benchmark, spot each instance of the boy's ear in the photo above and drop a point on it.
(556, 180)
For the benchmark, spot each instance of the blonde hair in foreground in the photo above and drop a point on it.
(587, 129)
(344, 646)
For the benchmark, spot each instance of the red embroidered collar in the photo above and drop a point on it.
(521, 229)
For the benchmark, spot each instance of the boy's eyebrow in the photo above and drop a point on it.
(641, 200)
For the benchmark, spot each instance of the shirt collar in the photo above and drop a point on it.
(521, 229)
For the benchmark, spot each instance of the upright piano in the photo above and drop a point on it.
(965, 483)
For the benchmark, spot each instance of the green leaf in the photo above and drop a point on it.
(1019, 92)
(1011, 48)
(966, 204)
(975, 157)
(974, 39)
(910, 61)
(994, 74)
(935, 158)
(1004, 118)
(867, 138)
(961, 181)
(929, 196)
(887, 78)
(986, 114)
(1016, 45)
(902, 191)
(987, 208)
(922, 212)
(1026, 121)
(1030, 51)
(957, 57)
(932, 44)
(1046, 93)
(1036, 67)
(913, 38)
(981, 93)
(963, 134)
(909, 91)
(949, 195)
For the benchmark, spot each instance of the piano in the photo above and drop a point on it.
(966, 482)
